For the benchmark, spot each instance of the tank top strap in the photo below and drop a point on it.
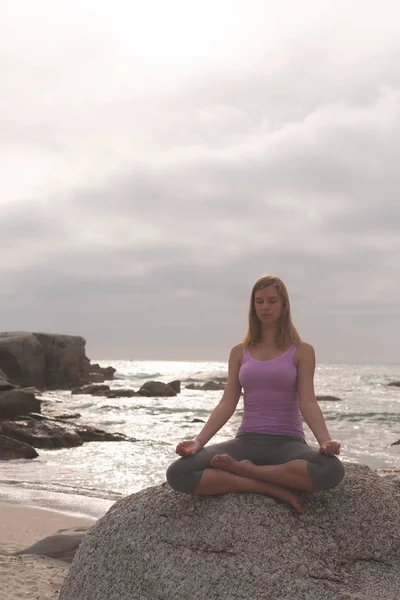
(291, 352)
(245, 354)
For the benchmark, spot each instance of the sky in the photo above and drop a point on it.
(158, 157)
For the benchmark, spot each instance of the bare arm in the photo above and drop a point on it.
(308, 402)
(224, 409)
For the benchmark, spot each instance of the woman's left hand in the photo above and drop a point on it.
(330, 447)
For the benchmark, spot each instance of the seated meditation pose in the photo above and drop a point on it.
(269, 454)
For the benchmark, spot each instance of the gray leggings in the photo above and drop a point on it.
(325, 471)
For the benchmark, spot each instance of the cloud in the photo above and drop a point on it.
(142, 214)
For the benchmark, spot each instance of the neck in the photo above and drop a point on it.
(269, 334)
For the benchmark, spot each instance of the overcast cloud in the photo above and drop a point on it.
(158, 157)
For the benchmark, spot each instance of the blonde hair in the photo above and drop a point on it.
(287, 333)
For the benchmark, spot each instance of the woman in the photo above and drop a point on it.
(269, 454)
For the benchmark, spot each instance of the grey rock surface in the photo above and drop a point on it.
(41, 434)
(14, 403)
(159, 544)
(43, 360)
(11, 449)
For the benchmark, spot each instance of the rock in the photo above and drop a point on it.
(392, 473)
(394, 384)
(121, 393)
(96, 378)
(14, 403)
(90, 389)
(161, 544)
(213, 385)
(195, 420)
(54, 417)
(11, 449)
(93, 434)
(157, 388)
(176, 385)
(4, 383)
(207, 386)
(329, 399)
(395, 443)
(62, 545)
(41, 434)
(43, 360)
(107, 372)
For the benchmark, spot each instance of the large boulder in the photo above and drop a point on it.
(4, 383)
(43, 360)
(41, 434)
(162, 544)
(156, 389)
(14, 403)
(11, 449)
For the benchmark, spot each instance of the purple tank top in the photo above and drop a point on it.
(270, 398)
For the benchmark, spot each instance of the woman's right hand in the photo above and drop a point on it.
(188, 447)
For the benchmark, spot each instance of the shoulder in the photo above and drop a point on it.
(237, 352)
(304, 353)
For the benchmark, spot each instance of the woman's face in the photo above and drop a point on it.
(268, 305)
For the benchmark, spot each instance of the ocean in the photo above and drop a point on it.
(90, 478)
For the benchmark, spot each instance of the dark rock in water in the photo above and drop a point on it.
(157, 389)
(96, 378)
(395, 443)
(244, 546)
(394, 384)
(92, 389)
(62, 545)
(55, 417)
(43, 360)
(92, 434)
(15, 402)
(195, 420)
(121, 393)
(11, 449)
(41, 434)
(328, 399)
(107, 372)
(207, 386)
(176, 385)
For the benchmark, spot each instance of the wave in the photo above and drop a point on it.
(140, 375)
(65, 489)
(359, 416)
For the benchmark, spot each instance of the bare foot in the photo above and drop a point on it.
(227, 463)
(245, 468)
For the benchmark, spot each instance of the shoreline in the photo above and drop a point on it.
(33, 575)
(23, 525)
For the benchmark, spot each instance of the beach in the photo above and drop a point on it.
(32, 576)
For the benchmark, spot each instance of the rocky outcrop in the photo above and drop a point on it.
(50, 434)
(15, 403)
(4, 383)
(106, 372)
(41, 434)
(46, 361)
(11, 449)
(328, 399)
(157, 389)
(394, 384)
(91, 389)
(161, 544)
(207, 386)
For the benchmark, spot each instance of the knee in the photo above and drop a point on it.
(327, 473)
(178, 479)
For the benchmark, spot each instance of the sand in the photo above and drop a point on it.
(31, 576)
